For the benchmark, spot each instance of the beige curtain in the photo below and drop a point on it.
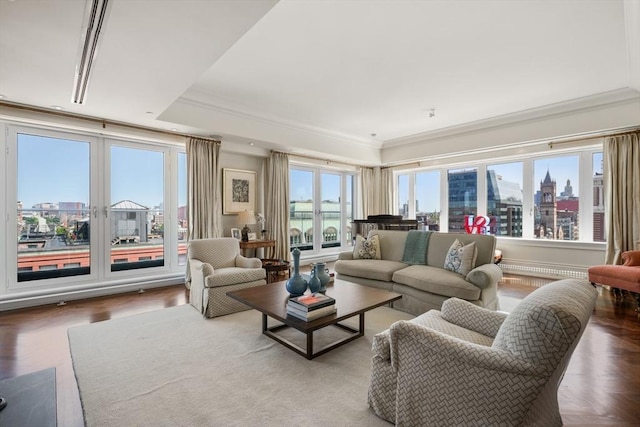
(376, 191)
(368, 191)
(386, 191)
(622, 194)
(277, 203)
(204, 188)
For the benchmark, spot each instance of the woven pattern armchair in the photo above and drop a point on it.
(216, 267)
(466, 365)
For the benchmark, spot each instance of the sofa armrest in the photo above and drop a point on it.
(244, 262)
(485, 275)
(198, 296)
(470, 316)
(631, 258)
(380, 346)
(345, 255)
(200, 270)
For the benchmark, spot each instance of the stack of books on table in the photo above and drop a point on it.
(311, 307)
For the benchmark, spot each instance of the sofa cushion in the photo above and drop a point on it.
(439, 243)
(437, 281)
(460, 258)
(367, 248)
(369, 269)
(233, 275)
(392, 243)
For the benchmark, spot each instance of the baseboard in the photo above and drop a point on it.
(544, 270)
(63, 295)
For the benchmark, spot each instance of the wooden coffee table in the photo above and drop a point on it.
(351, 300)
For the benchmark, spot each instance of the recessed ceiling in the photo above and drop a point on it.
(319, 76)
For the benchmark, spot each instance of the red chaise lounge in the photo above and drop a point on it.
(625, 276)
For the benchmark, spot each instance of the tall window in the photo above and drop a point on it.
(556, 200)
(301, 211)
(319, 214)
(54, 221)
(463, 197)
(403, 195)
(348, 238)
(599, 233)
(504, 199)
(91, 211)
(427, 192)
(183, 212)
(136, 211)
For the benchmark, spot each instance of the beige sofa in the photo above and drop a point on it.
(426, 287)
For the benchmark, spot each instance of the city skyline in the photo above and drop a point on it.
(561, 169)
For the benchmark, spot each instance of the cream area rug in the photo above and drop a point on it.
(171, 367)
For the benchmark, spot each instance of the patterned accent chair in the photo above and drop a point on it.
(216, 267)
(467, 365)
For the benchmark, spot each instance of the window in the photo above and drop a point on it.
(427, 192)
(53, 177)
(320, 208)
(599, 232)
(517, 196)
(136, 220)
(504, 199)
(403, 195)
(183, 211)
(556, 200)
(463, 197)
(90, 210)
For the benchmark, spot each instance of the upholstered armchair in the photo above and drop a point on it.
(467, 365)
(216, 267)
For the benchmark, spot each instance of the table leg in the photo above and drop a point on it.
(310, 345)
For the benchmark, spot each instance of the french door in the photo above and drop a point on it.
(321, 209)
(92, 209)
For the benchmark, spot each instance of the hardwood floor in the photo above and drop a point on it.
(601, 386)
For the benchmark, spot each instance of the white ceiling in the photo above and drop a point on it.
(318, 76)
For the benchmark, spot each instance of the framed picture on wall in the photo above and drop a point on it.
(238, 191)
(236, 233)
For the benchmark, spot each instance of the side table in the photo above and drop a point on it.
(255, 244)
(273, 268)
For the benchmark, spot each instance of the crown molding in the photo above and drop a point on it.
(202, 100)
(593, 102)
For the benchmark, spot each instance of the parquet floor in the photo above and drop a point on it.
(601, 386)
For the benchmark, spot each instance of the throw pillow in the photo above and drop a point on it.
(460, 258)
(367, 248)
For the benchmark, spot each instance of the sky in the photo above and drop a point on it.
(301, 185)
(57, 170)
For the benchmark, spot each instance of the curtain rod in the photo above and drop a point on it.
(103, 122)
(319, 159)
(587, 137)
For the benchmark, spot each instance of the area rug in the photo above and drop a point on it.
(172, 367)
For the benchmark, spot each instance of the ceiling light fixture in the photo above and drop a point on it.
(95, 16)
